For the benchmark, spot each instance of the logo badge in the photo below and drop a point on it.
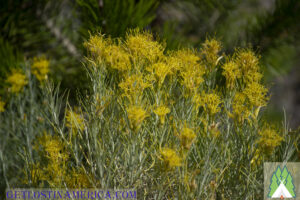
(281, 180)
(282, 184)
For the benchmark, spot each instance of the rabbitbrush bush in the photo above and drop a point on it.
(182, 124)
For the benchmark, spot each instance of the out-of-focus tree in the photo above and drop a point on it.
(57, 29)
(115, 17)
(42, 27)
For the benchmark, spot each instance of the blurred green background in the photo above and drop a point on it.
(58, 28)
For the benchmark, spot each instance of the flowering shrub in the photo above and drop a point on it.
(17, 80)
(172, 124)
(40, 68)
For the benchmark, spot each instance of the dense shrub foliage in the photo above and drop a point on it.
(180, 124)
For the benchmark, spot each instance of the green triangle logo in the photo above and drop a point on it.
(281, 185)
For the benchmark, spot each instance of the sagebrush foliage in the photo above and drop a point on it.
(173, 124)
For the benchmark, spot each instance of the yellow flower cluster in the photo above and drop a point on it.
(117, 57)
(211, 48)
(17, 81)
(139, 47)
(161, 70)
(56, 155)
(212, 102)
(187, 137)
(191, 70)
(183, 59)
(246, 104)
(145, 65)
(54, 147)
(142, 46)
(239, 108)
(105, 50)
(170, 158)
(133, 87)
(209, 101)
(54, 168)
(256, 93)
(249, 65)
(242, 74)
(192, 78)
(269, 139)
(244, 64)
(78, 178)
(97, 45)
(231, 73)
(74, 120)
(162, 111)
(136, 116)
(40, 68)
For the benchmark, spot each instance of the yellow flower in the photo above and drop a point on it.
(240, 109)
(192, 78)
(34, 175)
(53, 146)
(247, 61)
(187, 137)
(161, 70)
(133, 87)
(106, 51)
(55, 169)
(162, 111)
(211, 48)
(198, 101)
(40, 68)
(210, 102)
(188, 64)
(74, 121)
(2, 104)
(256, 93)
(183, 59)
(252, 77)
(269, 139)
(136, 116)
(97, 45)
(170, 158)
(142, 46)
(17, 80)
(79, 178)
(117, 57)
(231, 73)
